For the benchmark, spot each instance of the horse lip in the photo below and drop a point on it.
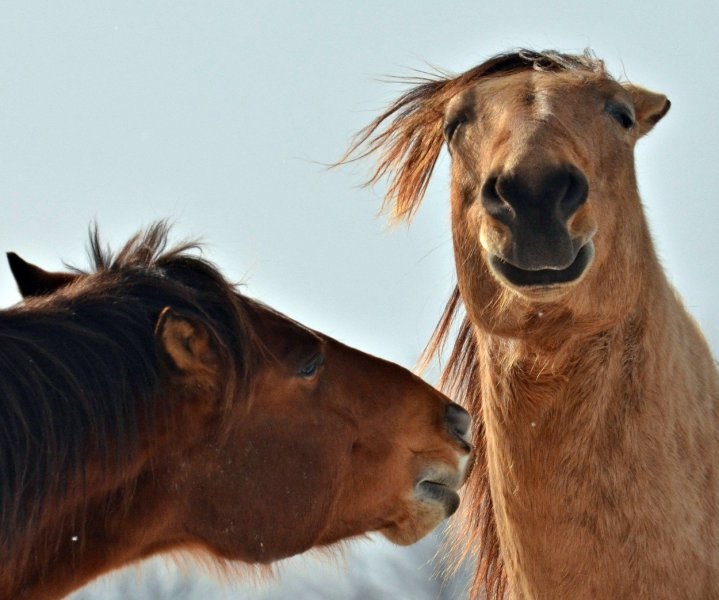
(464, 442)
(441, 476)
(544, 277)
(437, 491)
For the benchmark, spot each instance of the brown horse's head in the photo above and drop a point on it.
(261, 439)
(347, 443)
(543, 187)
(328, 443)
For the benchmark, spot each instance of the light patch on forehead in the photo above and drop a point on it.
(541, 107)
(520, 97)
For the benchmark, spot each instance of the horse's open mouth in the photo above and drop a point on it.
(545, 277)
(432, 491)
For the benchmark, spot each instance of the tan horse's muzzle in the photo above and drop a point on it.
(536, 203)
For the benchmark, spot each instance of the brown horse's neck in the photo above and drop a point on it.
(591, 444)
(133, 512)
(73, 549)
(77, 542)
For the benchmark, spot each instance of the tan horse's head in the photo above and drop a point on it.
(544, 202)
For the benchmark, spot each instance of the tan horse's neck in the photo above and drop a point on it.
(590, 447)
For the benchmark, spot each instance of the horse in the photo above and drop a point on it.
(595, 393)
(147, 406)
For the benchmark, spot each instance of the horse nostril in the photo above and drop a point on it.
(494, 203)
(458, 421)
(577, 190)
(524, 193)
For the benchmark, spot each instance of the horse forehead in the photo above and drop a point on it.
(538, 95)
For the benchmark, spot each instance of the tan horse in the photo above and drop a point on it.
(148, 407)
(597, 394)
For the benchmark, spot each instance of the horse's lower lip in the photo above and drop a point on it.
(545, 277)
(432, 491)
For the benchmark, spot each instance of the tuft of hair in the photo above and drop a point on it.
(225, 571)
(474, 534)
(408, 136)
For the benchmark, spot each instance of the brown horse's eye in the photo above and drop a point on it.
(621, 113)
(310, 369)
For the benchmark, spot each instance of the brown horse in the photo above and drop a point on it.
(597, 396)
(148, 407)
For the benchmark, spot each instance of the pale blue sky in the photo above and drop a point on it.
(217, 115)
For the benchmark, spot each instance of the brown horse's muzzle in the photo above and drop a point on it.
(440, 469)
(439, 483)
(536, 205)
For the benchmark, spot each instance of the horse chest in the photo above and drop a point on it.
(581, 477)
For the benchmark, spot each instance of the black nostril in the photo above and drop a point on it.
(577, 190)
(459, 421)
(530, 190)
(493, 202)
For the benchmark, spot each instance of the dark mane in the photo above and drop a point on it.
(408, 136)
(80, 372)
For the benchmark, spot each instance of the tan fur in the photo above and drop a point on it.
(599, 428)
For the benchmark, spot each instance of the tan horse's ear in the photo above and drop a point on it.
(649, 107)
(31, 280)
(186, 342)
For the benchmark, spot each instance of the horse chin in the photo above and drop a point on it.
(425, 516)
(543, 284)
(432, 503)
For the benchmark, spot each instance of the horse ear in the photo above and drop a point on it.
(186, 342)
(34, 281)
(649, 107)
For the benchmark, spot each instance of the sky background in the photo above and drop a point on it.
(220, 115)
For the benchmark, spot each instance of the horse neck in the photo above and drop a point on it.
(98, 537)
(555, 422)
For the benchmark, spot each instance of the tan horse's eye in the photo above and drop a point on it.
(451, 126)
(312, 366)
(621, 113)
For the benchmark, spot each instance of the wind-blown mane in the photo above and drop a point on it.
(409, 135)
(80, 373)
(460, 379)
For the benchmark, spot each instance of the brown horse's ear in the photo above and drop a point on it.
(34, 281)
(649, 107)
(186, 342)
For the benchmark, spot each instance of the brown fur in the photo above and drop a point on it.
(148, 407)
(597, 400)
